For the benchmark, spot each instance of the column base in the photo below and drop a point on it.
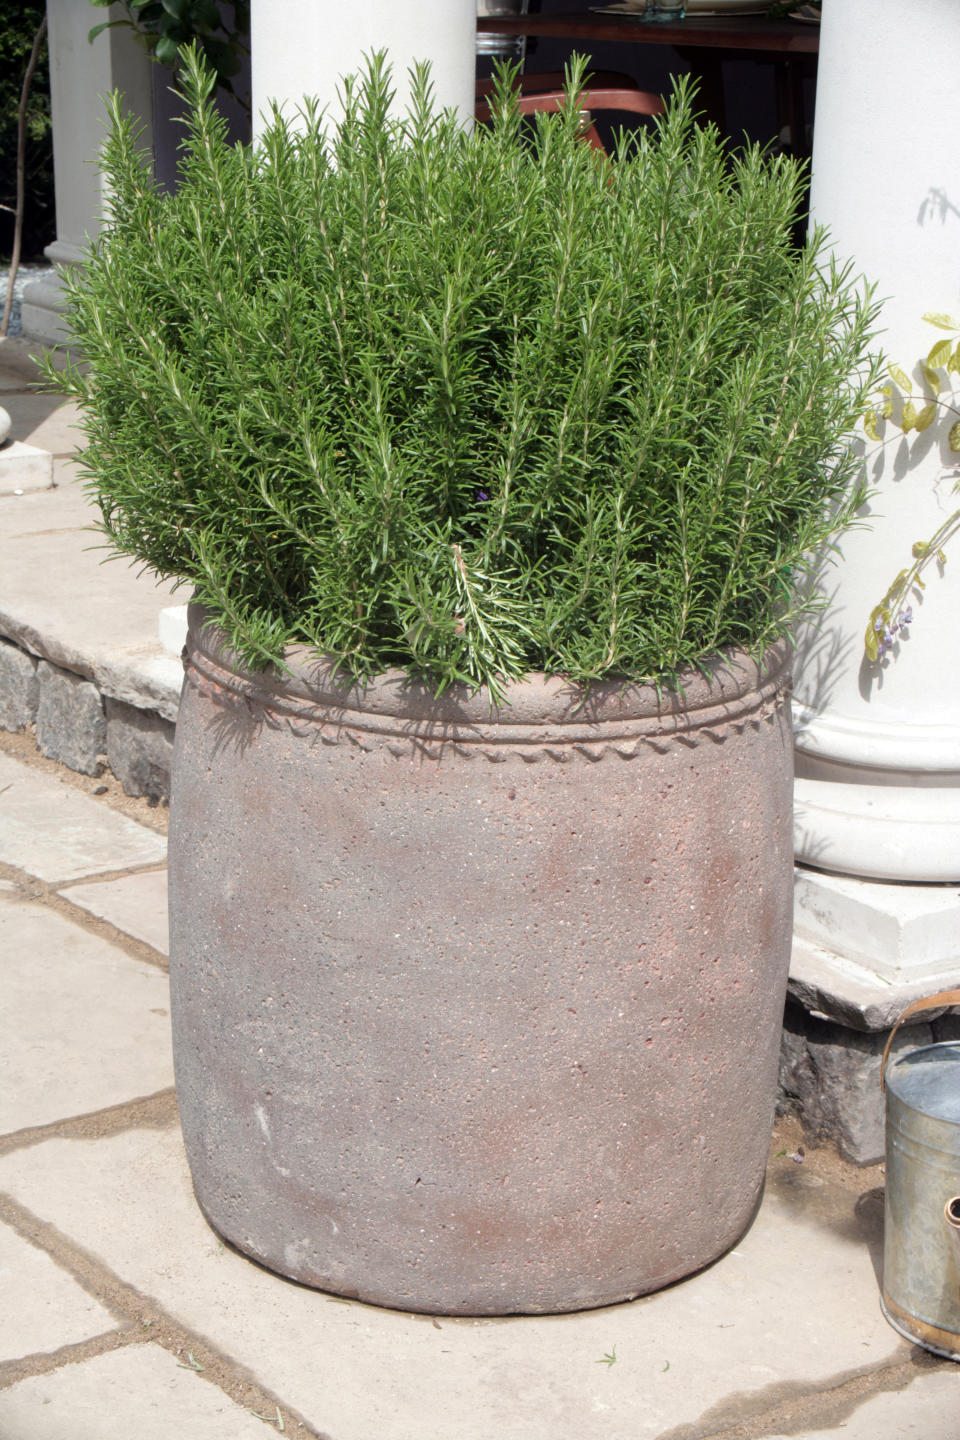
(41, 312)
(44, 303)
(864, 949)
(877, 829)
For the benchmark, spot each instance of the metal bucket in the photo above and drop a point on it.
(921, 1252)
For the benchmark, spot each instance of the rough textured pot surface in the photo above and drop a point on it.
(478, 1014)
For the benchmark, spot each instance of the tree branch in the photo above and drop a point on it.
(21, 169)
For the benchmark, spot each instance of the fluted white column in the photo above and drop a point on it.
(878, 745)
(303, 47)
(81, 73)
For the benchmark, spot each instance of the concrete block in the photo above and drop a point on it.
(841, 990)
(830, 1075)
(900, 933)
(71, 726)
(140, 1390)
(172, 629)
(52, 831)
(44, 1307)
(19, 687)
(139, 749)
(23, 468)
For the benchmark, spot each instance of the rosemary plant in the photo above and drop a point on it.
(472, 403)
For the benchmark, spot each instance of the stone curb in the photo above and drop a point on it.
(147, 680)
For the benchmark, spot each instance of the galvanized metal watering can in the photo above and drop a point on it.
(921, 1248)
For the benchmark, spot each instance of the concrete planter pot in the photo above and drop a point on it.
(478, 1013)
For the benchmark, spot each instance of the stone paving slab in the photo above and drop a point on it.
(52, 831)
(84, 1025)
(44, 420)
(42, 1307)
(17, 370)
(137, 1393)
(136, 904)
(65, 509)
(928, 1409)
(795, 1304)
(59, 599)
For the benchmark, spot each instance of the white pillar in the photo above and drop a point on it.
(878, 746)
(80, 75)
(303, 47)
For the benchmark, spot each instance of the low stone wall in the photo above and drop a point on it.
(80, 727)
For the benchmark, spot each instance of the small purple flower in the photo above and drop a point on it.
(481, 496)
(889, 630)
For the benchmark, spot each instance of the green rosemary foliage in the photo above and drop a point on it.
(471, 403)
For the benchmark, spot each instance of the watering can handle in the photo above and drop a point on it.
(941, 1001)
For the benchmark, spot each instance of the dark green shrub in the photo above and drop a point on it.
(468, 403)
(164, 28)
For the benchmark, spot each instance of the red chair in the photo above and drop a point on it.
(607, 91)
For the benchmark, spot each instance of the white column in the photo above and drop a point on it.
(303, 47)
(80, 75)
(878, 746)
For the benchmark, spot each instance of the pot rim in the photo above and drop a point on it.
(731, 686)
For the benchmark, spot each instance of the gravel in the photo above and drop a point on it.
(25, 274)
